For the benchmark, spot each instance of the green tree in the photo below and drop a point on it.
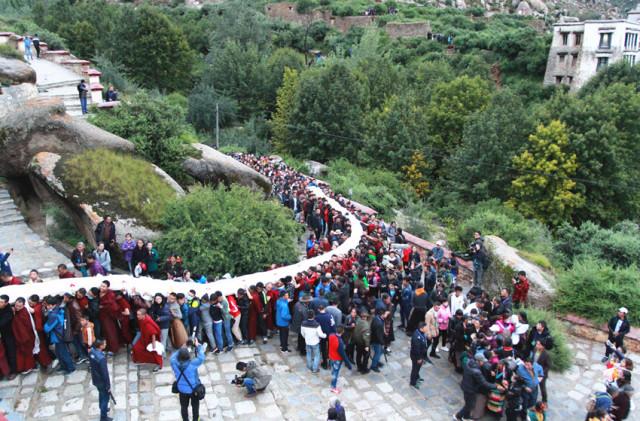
(620, 72)
(451, 106)
(155, 126)
(481, 166)
(235, 231)
(328, 114)
(276, 65)
(544, 188)
(281, 120)
(82, 38)
(202, 109)
(153, 50)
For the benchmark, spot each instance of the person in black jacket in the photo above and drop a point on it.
(100, 377)
(6, 331)
(418, 353)
(513, 398)
(460, 340)
(473, 382)
(140, 255)
(377, 340)
(106, 233)
(618, 328)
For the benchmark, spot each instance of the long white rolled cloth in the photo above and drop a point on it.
(149, 286)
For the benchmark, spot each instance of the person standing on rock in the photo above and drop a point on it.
(83, 90)
(106, 232)
(36, 44)
(100, 377)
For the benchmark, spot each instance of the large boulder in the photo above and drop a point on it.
(41, 125)
(15, 72)
(216, 167)
(316, 169)
(542, 282)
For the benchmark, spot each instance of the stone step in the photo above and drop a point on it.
(12, 220)
(7, 206)
(60, 84)
(9, 213)
(4, 195)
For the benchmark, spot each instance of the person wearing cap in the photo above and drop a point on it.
(618, 328)
(473, 382)
(283, 320)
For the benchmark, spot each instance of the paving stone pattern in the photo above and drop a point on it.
(294, 393)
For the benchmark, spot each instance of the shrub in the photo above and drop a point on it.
(380, 189)
(117, 184)
(493, 218)
(63, 228)
(236, 231)
(561, 355)
(10, 52)
(617, 245)
(114, 74)
(595, 289)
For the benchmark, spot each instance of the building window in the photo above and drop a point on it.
(602, 62)
(558, 80)
(569, 80)
(578, 38)
(565, 38)
(574, 60)
(561, 58)
(630, 41)
(630, 58)
(605, 40)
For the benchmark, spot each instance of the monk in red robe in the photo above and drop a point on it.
(272, 296)
(149, 334)
(109, 315)
(44, 357)
(23, 330)
(124, 310)
(4, 364)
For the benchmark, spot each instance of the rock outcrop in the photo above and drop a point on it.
(215, 167)
(15, 72)
(41, 125)
(316, 169)
(541, 281)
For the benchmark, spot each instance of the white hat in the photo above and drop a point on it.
(623, 310)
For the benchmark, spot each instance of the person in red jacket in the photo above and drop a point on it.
(337, 356)
(520, 289)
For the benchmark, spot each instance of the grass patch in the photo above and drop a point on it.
(117, 184)
(537, 259)
(10, 52)
(63, 228)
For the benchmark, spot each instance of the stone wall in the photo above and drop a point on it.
(287, 12)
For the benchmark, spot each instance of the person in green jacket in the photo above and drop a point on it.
(153, 259)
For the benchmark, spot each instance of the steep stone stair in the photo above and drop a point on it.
(56, 81)
(30, 251)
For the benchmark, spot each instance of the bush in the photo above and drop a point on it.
(117, 184)
(156, 126)
(236, 231)
(10, 52)
(561, 355)
(595, 289)
(114, 74)
(617, 246)
(493, 218)
(379, 189)
(62, 228)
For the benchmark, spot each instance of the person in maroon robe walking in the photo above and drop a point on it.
(149, 334)
(109, 314)
(44, 357)
(24, 331)
(124, 311)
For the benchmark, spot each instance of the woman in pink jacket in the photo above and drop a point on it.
(444, 314)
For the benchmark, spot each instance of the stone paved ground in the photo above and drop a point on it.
(294, 394)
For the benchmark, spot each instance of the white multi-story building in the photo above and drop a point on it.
(579, 49)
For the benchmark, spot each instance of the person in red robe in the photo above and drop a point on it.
(257, 312)
(109, 315)
(4, 364)
(23, 330)
(272, 296)
(124, 310)
(149, 334)
(44, 357)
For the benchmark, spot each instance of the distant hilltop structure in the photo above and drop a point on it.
(579, 49)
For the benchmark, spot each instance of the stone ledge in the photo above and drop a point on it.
(58, 52)
(93, 72)
(96, 87)
(107, 105)
(76, 61)
(584, 328)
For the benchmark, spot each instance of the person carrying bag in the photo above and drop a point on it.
(187, 383)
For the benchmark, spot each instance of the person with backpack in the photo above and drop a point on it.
(187, 384)
(55, 329)
(100, 377)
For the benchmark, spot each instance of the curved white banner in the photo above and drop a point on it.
(145, 285)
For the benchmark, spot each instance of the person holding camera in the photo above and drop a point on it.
(255, 378)
(188, 384)
(480, 258)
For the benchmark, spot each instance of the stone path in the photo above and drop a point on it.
(54, 80)
(294, 393)
(31, 252)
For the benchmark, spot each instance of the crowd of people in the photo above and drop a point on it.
(341, 313)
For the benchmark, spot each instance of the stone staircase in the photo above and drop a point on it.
(67, 92)
(30, 251)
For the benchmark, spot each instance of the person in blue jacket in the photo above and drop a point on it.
(54, 328)
(100, 377)
(283, 320)
(185, 369)
(532, 374)
(5, 267)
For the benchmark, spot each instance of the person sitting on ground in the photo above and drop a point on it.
(64, 272)
(255, 378)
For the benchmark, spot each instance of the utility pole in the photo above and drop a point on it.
(217, 129)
